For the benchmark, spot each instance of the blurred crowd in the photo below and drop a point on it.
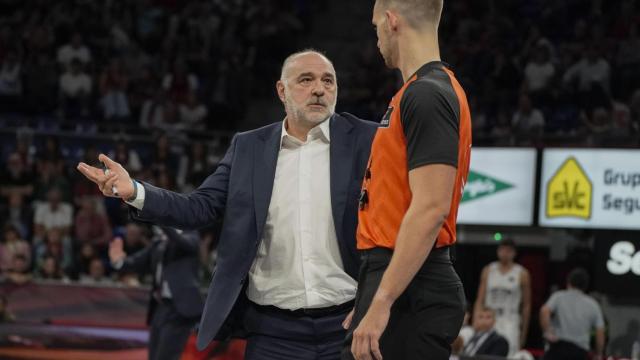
(163, 64)
(548, 67)
(537, 72)
(56, 223)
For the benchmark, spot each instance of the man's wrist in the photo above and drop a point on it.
(383, 298)
(135, 191)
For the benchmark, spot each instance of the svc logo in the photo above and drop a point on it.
(623, 259)
(569, 192)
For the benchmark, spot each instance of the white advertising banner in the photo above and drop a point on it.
(590, 188)
(500, 188)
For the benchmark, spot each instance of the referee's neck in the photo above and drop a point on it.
(415, 50)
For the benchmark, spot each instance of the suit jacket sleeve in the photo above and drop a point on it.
(189, 211)
(187, 241)
(499, 347)
(140, 262)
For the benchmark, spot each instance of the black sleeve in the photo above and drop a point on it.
(430, 118)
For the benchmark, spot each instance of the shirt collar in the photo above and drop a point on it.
(321, 131)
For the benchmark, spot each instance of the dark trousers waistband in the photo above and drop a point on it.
(312, 313)
(437, 255)
(437, 269)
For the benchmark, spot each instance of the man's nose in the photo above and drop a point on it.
(318, 89)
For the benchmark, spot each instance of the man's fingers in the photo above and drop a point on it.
(375, 349)
(90, 172)
(110, 163)
(354, 345)
(109, 186)
(360, 348)
(346, 324)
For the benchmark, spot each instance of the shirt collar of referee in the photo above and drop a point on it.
(321, 132)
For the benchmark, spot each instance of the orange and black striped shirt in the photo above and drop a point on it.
(427, 122)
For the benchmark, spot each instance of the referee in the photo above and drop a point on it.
(410, 301)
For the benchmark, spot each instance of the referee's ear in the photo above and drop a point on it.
(280, 90)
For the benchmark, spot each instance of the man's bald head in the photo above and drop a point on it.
(418, 13)
(291, 59)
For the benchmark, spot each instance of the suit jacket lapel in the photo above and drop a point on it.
(265, 158)
(341, 165)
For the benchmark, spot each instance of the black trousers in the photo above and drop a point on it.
(565, 350)
(425, 319)
(169, 332)
(278, 335)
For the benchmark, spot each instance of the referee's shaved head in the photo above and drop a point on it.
(417, 12)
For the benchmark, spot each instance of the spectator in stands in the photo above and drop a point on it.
(194, 167)
(75, 90)
(620, 120)
(19, 214)
(50, 176)
(16, 178)
(83, 259)
(75, 50)
(50, 270)
(164, 159)
(179, 83)
(136, 238)
(12, 244)
(10, 83)
(126, 155)
(598, 123)
(53, 214)
(501, 130)
(144, 86)
(92, 226)
(527, 120)
(152, 114)
(19, 273)
(485, 340)
(193, 113)
(569, 318)
(164, 179)
(539, 73)
(592, 74)
(113, 90)
(58, 246)
(96, 274)
(51, 152)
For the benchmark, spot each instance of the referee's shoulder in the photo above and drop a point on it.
(428, 85)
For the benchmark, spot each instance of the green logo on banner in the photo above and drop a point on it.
(480, 185)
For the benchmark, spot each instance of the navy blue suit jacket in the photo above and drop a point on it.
(180, 265)
(240, 191)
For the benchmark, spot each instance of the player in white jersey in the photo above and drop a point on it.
(505, 287)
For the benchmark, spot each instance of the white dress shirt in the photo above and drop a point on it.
(298, 263)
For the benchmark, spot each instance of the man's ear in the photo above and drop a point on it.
(280, 89)
(392, 20)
